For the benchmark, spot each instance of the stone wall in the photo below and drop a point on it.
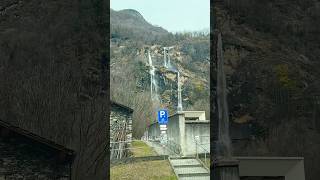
(20, 159)
(120, 122)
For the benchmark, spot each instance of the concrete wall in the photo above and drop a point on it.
(292, 168)
(181, 132)
(154, 131)
(174, 130)
(201, 115)
(201, 129)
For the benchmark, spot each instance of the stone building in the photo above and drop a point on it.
(24, 155)
(120, 130)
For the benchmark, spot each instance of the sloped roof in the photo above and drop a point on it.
(122, 106)
(37, 138)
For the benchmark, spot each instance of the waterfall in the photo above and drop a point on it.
(167, 65)
(153, 81)
(166, 57)
(224, 142)
(179, 93)
(168, 60)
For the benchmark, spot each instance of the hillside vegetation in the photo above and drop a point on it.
(131, 38)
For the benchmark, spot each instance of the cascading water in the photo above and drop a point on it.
(153, 81)
(166, 57)
(179, 93)
(168, 61)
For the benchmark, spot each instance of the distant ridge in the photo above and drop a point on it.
(134, 22)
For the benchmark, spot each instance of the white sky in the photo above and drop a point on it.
(172, 15)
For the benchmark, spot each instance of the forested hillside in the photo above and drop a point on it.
(272, 50)
(131, 38)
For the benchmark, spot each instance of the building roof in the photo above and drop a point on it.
(122, 106)
(36, 138)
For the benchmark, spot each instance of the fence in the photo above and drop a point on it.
(121, 149)
(174, 147)
(118, 149)
(203, 145)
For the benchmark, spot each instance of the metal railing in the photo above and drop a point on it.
(120, 149)
(200, 145)
(174, 147)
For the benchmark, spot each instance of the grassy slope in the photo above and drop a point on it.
(147, 170)
(141, 149)
(152, 170)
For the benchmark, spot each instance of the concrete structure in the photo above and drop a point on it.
(189, 169)
(120, 130)
(183, 127)
(24, 155)
(291, 168)
(194, 115)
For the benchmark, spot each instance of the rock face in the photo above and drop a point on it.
(192, 83)
(272, 76)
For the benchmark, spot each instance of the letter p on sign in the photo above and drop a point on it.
(163, 116)
(162, 113)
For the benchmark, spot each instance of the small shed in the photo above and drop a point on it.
(120, 130)
(25, 155)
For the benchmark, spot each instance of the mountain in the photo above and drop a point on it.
(131, 39)
(131, 20)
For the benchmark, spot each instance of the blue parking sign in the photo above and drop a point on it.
(163, 116)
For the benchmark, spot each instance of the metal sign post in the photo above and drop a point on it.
(163, 121)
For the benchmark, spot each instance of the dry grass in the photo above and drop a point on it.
(141, 149)
(146, 170)
(207, 163)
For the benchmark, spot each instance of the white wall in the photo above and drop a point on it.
(201, 129)
(199, 114)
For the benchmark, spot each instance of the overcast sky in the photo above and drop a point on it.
(172, 15)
